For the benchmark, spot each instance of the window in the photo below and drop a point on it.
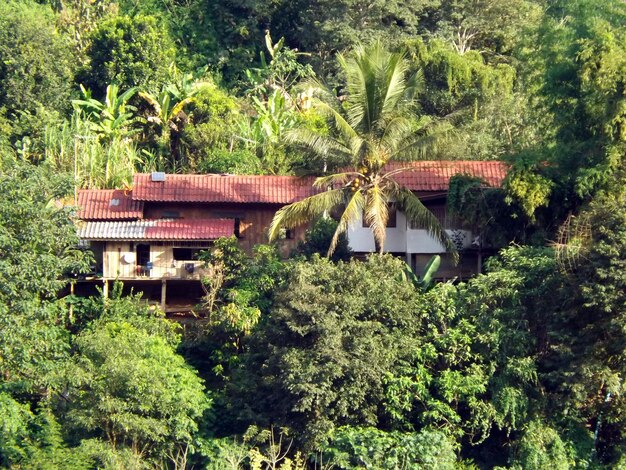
(142, 252)
(238, 216)
(286, 234)
(391, 221)
(186, 254)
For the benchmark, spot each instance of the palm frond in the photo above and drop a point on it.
(337, 178)
(418, 215)
(343, 126)
(420, 145)
(303, 211)
(319, 144)
(377, 214)
(361, 84)
(351, 213)
(415, 84)
(397, 130)
(320, 91)
(396, 86)
(360, 149)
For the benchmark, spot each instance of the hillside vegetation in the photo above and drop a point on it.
(315, 362)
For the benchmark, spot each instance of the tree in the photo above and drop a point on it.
(356, 447)
(211, 140)
(36, 75)
(356, 344)
(324, 27)
(128, 52)
(319, 360)
(375, 127)
(576, 80)
(593, 338)
(127, 385)
(37, 253)
(317, 240)
(77, 19)
(493, 26)
(36, 66)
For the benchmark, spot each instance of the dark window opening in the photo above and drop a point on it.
(286, 234)
(170, 215)
(236, 216)
(186, 254)
(143, 253)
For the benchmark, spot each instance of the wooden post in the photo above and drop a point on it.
(105, 289)
(163, 294)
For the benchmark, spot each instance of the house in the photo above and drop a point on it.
(149, 236)
(430, 180)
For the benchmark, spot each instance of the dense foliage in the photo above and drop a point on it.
(312, 362)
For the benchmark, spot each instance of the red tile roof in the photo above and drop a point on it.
(100, 204)
(181, 229)
(435, 176)
(223, 188)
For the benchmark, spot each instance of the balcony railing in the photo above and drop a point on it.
(172, 269)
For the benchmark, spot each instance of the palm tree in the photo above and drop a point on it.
(376, 125)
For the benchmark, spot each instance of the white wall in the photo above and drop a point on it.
(401, 239)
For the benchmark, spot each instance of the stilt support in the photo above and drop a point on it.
(163, 293)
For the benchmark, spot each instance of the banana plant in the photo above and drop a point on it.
(425, 281)
(113, 118)
(267, 130)
(168, 108)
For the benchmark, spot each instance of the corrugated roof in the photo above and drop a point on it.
(223, 188)
(100, 204)
(435, 176)
(165, 229)
(419, 176)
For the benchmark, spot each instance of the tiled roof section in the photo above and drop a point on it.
(100, 204)
(435, 176)
(164, 230)
(223, 188)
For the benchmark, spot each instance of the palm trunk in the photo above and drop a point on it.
(379, 245)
